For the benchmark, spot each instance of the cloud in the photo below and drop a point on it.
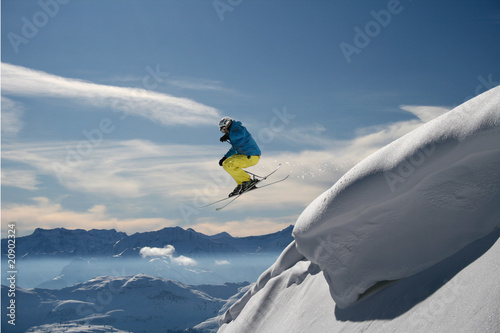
(184, 261)
(124, 169)
(158, 107)
(25, 179)
(311, 135)
(222, 262)
(167, 251)
(425, 113)
(12, 113)
(199, 84)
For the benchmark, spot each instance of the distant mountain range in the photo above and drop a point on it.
(62, 242)
(138, 303)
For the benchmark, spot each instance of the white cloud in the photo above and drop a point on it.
(167, 251)
(310, 135)
(425, 113)
(12, 113)
(184, 261)
(158, 107)
(198, 84)
(25, 179)
(126, 169)
(222, 262)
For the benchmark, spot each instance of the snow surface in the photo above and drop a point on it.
(401, 213)
(74, 328)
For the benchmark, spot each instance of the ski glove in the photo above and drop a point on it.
(225, 137)
(222, 160)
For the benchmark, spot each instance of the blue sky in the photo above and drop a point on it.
(110, 108)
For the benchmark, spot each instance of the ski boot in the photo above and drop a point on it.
(248, 185)
(236, 191)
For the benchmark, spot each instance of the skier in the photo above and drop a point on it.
(244, 153)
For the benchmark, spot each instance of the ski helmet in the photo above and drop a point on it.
(225, 122)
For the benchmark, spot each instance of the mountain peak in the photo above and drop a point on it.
(221, 235)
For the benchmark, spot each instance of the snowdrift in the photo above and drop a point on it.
(410, 205)
(459, 294)
(400, 212)
(288, 258)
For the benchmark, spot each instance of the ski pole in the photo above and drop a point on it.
(238, 149)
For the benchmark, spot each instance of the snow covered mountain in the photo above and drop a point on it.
(406, 241)
(137, 303)
(62, 242)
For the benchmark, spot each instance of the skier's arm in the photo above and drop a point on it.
(237, 138)
(232, 151)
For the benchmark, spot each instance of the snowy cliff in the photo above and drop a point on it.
(416, 212)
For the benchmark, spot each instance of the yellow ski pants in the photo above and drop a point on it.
(234, 164)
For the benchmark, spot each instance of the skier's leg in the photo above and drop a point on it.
(234, 166)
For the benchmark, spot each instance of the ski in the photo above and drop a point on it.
(252, 189)
(215, 202)
(255, 177)
(272, 183)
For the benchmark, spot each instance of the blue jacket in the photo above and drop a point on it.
(241, 141)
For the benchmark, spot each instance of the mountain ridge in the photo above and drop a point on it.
(62, 242)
